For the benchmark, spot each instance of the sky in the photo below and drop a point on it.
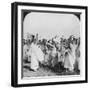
(48, 25)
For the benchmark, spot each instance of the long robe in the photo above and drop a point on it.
(40, 54)
(70, 58)
(36, 56)
(53, 55)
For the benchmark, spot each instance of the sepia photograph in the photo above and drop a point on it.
(51, 44)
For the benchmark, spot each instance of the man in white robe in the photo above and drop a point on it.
(36, 56)
(70, 58)
(34, 61)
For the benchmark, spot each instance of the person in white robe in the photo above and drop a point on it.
(67, 63)
(32, 55)
(36, 56)
(40, 54)
(70, 58)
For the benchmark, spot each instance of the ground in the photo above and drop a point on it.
(46, 71)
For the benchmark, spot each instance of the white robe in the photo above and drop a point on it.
(69, 60)
(40, 54)
(36, 56)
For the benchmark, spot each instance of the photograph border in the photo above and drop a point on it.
(14, 42)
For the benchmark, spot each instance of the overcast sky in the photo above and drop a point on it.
(48, 25)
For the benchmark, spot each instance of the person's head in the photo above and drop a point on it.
(30, 40)
(66, 54)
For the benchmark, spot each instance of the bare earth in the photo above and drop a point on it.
(44, 71)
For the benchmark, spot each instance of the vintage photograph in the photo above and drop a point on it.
(51, 44)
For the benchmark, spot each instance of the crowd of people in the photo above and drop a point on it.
(50, 52)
